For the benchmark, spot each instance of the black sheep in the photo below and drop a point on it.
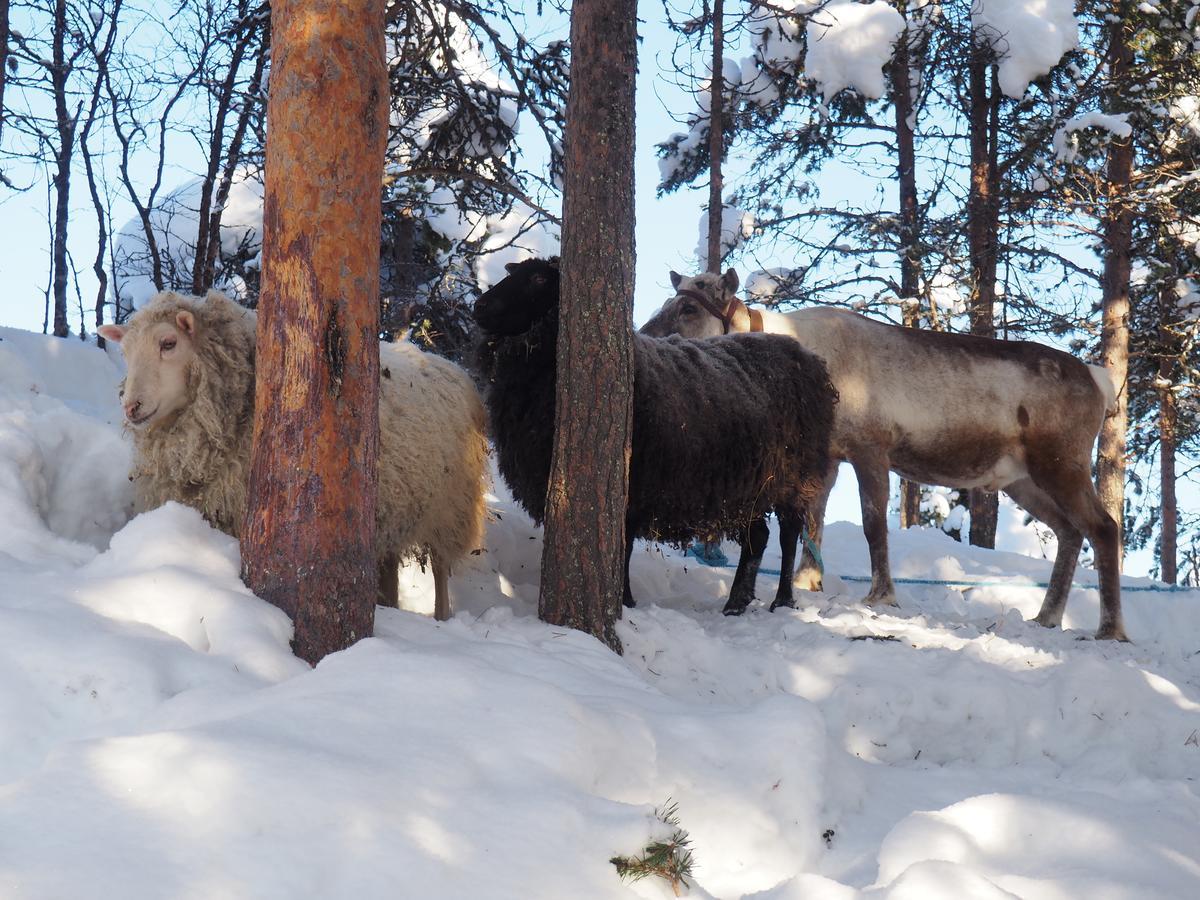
(724, 430)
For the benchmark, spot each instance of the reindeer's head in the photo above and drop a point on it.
(523, 298)
(704, 306)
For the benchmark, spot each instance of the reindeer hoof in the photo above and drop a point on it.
(1046, 622)
(629, 603)
(734, 608)
(807, 581)
(880, 600)
(1113, 633)
(787, 603)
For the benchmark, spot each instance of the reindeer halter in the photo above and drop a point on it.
(724, 316)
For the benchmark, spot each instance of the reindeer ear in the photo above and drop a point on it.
(676, 278)
(186, 322)
(112, 333)
(730, 280)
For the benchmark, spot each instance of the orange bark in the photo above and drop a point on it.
(308, 540)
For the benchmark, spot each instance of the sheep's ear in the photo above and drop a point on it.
(676, 278)
(112, 333)
(730, 280)
(510, 267)
(186, 322)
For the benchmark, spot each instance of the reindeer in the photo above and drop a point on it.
(939, 408)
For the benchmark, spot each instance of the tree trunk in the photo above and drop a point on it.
(102, 55)
(583, 563)
(1169, 526)
(233, 159)
(982, 235)
(910, 260)
(64, 125)
(308, 544)
(1114, 335)
(1168, 553)
(205, 232)
(4, 4)
(716, 140)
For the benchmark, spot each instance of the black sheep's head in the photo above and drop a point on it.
(522, 299)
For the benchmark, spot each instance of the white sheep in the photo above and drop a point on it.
(189, 403)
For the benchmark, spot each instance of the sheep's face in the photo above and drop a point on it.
(686, 316)
(515, 304)
(158, 358)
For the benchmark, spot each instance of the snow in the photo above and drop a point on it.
(175, 223)
(736, 226)
(1029, 36)
(763, 284)
(849, 43)
(161, 739)
(1066, 140)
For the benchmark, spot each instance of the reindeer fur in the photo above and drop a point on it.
(948, 409)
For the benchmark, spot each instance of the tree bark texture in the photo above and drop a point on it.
(716, 139)
(1114, 334)
(982, 237)
(583, 563)
(910, 260)
(308, 540)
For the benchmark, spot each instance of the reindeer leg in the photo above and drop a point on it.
(809, 576)
(1041, 506)
(754, 542)
(872, 470)
(1076, 496)
(441, 590)
(627, 598)
(388, 593)
(789, 534)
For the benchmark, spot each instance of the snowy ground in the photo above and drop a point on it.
(159, 740)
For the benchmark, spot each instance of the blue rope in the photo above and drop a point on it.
(966, 583)
(812, 549)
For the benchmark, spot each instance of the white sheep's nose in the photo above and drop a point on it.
(132, 409)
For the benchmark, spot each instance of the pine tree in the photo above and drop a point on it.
(308, 540)
(585, 552)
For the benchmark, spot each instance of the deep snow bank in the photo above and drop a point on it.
(159, 739)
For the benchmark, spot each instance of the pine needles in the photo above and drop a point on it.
(669, 859)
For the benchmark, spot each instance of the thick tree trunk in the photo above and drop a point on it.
(716, 139)
(982, 236)
(583, 564)
(910, 259)
(1114, 335)
(308, 541)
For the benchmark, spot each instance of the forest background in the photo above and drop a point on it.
(123, 121)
